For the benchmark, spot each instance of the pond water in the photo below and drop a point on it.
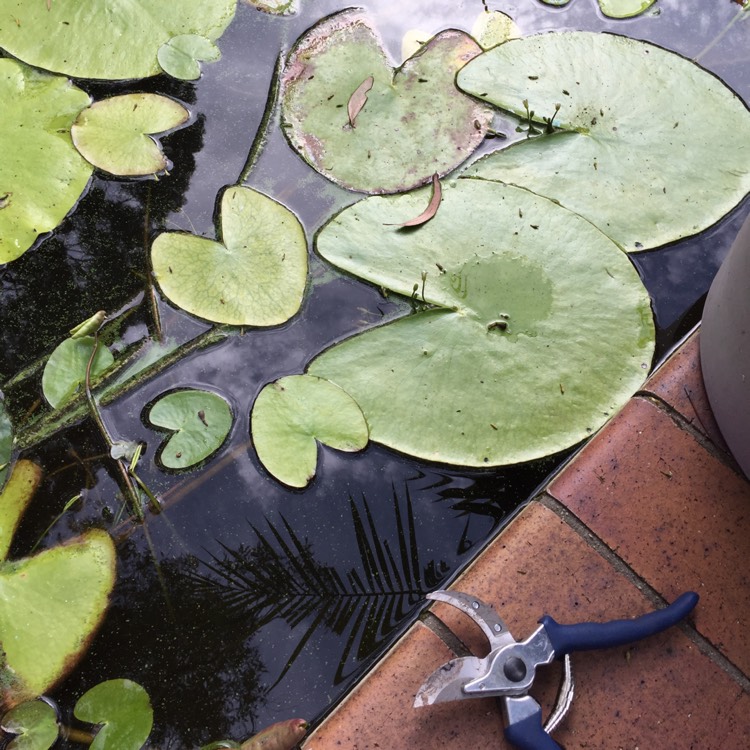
(246, 602)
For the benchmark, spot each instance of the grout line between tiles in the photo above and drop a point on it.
(703, 645)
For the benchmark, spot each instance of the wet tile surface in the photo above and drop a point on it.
(675, 513)
(679, 382)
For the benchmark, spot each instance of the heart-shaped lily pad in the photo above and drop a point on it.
(181, 55)
(415, 122)
(292, 414)
(534, 327)
(255, 275)
(107, 39)
(628, 154)
(41, 174)
(34, 723)
(200, 420)
(15, 498)
(113, 134)
(65, 370)
(123, 710)
(67, 585)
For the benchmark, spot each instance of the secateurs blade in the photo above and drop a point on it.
(508, 671)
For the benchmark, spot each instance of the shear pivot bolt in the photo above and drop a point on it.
(515, 669)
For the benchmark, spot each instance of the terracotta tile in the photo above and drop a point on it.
(674, 512)
(379, 713)
(679, 382)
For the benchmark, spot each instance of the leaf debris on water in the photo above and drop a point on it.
(432, 206)
(358, 99)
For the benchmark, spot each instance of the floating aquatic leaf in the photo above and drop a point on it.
(535, 327)
(15, 498)
(416, 122)
(431, 209)
(494, 27)
(181, 55)
(107, 39)
(624, 8)
(123, 709)
(627, 154)
(358, 99)
(89, 326)
(291, 414)
(34, 723)
(284, 735)
(41, 174)
(276, 7)
(255, 275)
(65, 370)
(200, 420)
(113, 134)
(50, 606)
(6, 443)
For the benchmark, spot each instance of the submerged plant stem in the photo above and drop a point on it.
(721, 34)
(261, 136)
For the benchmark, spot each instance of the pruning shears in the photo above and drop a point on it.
(508, 671)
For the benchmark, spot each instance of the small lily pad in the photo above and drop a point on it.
(292, 414)
(531, 329)
(200, 420)
(34, 723)
(493, 28)
(275, 7)
(15, 498)
(415, 123)
(113, 134)
(50, 606)
(65, 370)
(255, 275)
(181, 55)
(619, 157)
(123, 711)
(41, 174)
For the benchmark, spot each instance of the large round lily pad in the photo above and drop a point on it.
(107, 39)
(41, 174)
(535, 326)
(255, 275)
(653, 148)
(413, 123)
(50, 606)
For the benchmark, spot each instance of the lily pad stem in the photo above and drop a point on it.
(261, 136)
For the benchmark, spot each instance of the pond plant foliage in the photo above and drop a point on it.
(525, 324)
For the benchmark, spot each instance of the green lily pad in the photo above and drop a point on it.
(106, 39)
(15, 498)
(41, 174)
(414, 124)
(123, 709)
(494, 27)
(200, 420)
(292, 414)
(534, 327)
(620, 158)
(614, 8)
(255, 275)
(35, 723)
(65, 370)
(181, 55)
(113, 134)
(66, 586)
(275, 7)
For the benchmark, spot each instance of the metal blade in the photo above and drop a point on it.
(446, 682)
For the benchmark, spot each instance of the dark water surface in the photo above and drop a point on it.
(268, 603)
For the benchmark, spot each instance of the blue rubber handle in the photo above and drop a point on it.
(529, 734)
(591, 635)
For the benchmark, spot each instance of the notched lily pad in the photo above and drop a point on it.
(620, 157)
(41, 174)
(35, 725)
(415, 122)
(532, 326)
(200, 421)
(106, 39)
(181, 55)
(65, 370)
(115, 134)
(15, 498)
(293, 414)
(254, 275)
(50, 606)
(123, 710)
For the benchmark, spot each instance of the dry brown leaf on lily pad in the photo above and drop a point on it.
(430, 211)
(358, 99)
(284, 735)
